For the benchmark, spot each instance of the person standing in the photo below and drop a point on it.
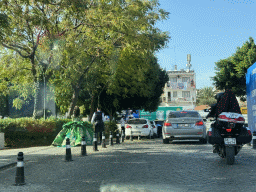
(122, 121)
(98, 117)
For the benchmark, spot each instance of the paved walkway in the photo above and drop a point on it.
(8, 157)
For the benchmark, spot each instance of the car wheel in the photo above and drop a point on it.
(203, 141)
(165, 141)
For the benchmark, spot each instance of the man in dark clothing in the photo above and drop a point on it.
(98, 117)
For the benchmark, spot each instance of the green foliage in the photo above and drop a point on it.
(110, 126)
(20, 131)
(205, 96)
(231, 71)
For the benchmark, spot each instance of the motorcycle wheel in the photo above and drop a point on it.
(230, 155)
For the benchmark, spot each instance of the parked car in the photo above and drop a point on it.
(153, 124)
(159, 125)
(182, 125)
(138, 127)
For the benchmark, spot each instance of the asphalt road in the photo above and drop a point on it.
(139, 166)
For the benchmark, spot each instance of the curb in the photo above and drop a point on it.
(8, 166)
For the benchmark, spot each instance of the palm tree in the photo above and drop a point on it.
(205, 96)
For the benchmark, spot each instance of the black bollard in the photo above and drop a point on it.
(68, 151)
(139, 137)
(111, 139)
(103, 145)
(122, 137)
(20, 179)
(254, 140)
(83, 147)
(131, 137)
(117, 137)
(95, 148)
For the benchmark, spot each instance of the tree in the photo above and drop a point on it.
(232, 70)
(205, 96)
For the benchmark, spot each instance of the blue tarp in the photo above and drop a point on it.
(251, 96)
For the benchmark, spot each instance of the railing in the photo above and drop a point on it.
(180, 85)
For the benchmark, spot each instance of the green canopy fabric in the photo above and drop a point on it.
(74, 130)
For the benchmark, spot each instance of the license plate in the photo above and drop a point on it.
(182, 125)
(230, 141)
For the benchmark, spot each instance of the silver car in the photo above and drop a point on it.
(182, 125)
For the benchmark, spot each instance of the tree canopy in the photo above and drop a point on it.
(231, 72)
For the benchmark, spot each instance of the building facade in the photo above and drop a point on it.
(180, 90)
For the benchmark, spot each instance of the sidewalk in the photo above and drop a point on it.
(8, 157)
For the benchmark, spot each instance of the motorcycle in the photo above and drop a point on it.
(228, 134)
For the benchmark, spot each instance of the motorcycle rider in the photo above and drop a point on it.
(226, 102)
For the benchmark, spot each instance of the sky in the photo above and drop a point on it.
(209, 30)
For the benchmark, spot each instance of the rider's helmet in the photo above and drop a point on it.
(219, 96)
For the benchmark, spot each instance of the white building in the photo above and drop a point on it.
(180, 90)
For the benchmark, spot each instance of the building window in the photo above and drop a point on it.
(169, 96)
(185, 94)
(185, 79)
(174, 93)
(173, 79)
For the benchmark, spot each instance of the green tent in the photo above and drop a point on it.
(74, 130)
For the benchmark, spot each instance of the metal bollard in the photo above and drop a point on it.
(83, 147)
(20, 179)
(139, 137)
(254, 140)
(95, 147)
(131, 137)
(111, 139)
(117, 137)
(103, 140)
(122, 137)
(68, 151)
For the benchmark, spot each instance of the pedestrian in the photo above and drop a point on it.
(98, 117)
(122, 121)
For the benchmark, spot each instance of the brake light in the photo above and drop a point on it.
(145, 126)
(229, 130)
(250, 133)
(199, 123)
(154, 126)
(167, 124)
(240, 119)
(128, 126)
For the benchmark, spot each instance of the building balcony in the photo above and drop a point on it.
(180, 85)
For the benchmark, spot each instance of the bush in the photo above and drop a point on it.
(110, 126)
(24, 132)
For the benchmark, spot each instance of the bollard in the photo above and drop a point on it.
(95, 148)
(103, 140)
(122, 137)
(83, 147)
(131, 138)
(68, 151)
(254, 140)
(117, 137)
(111, 139)
(20, 179)
(139, 137)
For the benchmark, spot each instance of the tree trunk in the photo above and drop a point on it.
(73, 101)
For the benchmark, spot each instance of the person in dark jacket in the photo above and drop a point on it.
(98, 117)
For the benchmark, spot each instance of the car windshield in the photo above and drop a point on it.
(137, 121)
(183, 114)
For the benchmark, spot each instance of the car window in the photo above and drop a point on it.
(183, 114)
(136, 121)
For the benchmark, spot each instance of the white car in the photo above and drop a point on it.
(139, 127)
(153, 124)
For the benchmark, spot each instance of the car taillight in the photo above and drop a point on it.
(128, 126)
(199, 123)
(229, 130)
(250, 133)
(145, 126)
(167, 124)
(154, 126)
